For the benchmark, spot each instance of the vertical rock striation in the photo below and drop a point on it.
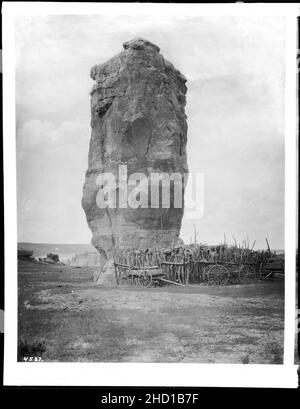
(138, 120)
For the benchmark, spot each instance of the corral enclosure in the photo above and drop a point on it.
(195, 264)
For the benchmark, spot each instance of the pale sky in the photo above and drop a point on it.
(235, 108)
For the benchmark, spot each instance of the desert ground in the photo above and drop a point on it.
(64, 317)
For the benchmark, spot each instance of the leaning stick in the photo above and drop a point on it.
(171, 282)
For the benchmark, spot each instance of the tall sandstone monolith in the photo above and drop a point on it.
(138, 120)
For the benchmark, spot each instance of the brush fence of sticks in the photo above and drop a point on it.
(188, 264)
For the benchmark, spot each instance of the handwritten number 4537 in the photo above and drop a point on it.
(32, 359)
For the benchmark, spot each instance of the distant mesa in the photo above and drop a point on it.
(24, 254)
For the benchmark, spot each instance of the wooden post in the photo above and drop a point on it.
(268, 245)
(188, 275)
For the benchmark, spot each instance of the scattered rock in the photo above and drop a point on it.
(53, 257)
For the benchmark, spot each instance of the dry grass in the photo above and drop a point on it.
(81, 322)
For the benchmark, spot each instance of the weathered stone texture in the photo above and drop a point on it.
(138, 119)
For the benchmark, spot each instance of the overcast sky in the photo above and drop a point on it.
(235, 107)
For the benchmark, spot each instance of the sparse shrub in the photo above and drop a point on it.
(274, 352)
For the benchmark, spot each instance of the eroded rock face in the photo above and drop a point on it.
(138, 120)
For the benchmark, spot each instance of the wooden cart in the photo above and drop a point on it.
(146, 276)
(223, 273)
(273, 268)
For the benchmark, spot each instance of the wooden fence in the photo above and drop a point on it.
(193, 264)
